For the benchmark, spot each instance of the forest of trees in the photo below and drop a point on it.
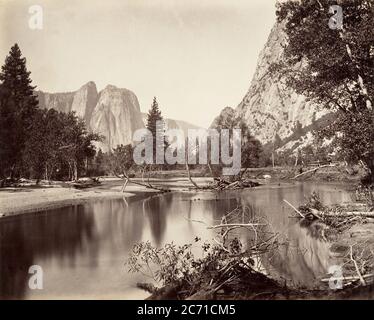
(336, 70)
(34, 142)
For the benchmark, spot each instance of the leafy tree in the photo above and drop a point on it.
(58, 140)
(334, 68)
(77, 142)
(17, 108)
(122, 160)
(251, 148)
(99, 164)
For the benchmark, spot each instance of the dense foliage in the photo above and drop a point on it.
(251, 148)
(36, 142)
(333, 67)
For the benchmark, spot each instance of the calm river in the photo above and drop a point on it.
(82, 248)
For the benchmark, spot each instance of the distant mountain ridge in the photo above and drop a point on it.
(174, 124)
(113, 112)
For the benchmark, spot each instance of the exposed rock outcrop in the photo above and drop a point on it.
(269, 107)
(85, 100)
(113, 112)
(116, 116)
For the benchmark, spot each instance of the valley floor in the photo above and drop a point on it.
(30, 197)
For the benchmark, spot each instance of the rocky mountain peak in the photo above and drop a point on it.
(84, 100)
(269, 107)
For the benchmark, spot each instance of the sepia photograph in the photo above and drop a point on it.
(210, 150)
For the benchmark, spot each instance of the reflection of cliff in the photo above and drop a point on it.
(120, 218)
(156, 209)
(62, 232)
(303, 255)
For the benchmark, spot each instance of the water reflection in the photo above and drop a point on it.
(27, 239)
(82, 249)
(304, 254)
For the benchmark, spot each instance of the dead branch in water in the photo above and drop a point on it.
(295, 209)
(244, 225)
(356, 266)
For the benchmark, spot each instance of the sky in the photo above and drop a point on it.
(195, 56)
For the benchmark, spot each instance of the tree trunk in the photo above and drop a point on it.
(370, 177)
(210, 169)
(11, 175)
(189, 175)
(75, 171)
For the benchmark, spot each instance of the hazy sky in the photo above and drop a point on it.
(196, 56)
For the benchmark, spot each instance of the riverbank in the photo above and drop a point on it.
(30, 197)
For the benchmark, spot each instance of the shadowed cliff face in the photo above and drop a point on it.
(269, 107)
(113, 112)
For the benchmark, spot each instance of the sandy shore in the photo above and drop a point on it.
(31, 198)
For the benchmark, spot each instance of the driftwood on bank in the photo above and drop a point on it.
(84, 184)
(222, 184)
(313, 170)
(346, 214)
(148, 185)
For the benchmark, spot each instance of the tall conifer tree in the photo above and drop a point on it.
(18, 105)
(154, 115)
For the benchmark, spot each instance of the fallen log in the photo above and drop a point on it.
(227, 225)
(365, 214)
(348, 278)
(219, 180)
(232, 185)
(312, 170)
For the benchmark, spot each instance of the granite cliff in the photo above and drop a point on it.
(113, 112)
(270, 108)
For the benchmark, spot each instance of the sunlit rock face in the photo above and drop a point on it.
(271, 108)
(58, 101)
(114, 113)
(85, 100)
(116, 116)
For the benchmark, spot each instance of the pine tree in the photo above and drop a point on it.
(18, 105)
(154, 115)
(16, 79)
